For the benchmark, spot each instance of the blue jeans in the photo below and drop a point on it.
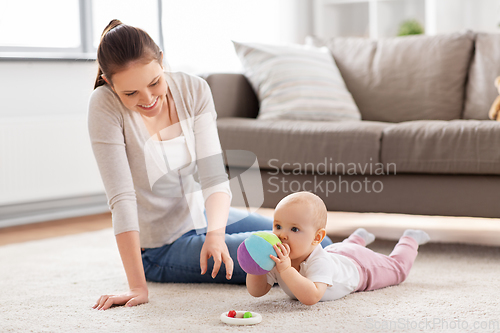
(180, 261)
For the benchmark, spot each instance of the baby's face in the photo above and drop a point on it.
(294, 226)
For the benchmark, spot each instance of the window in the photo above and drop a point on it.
(68, 29)
(26, 23)
(198, 33)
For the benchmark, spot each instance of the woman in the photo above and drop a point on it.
(151, 133)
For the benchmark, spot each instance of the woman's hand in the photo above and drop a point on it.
(215, 246)
(132, 298)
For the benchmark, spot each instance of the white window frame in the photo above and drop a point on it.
(86, 50)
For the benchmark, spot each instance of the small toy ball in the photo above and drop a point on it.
(253, 253)
(241, 318)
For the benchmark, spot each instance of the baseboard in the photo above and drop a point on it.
(55, 209)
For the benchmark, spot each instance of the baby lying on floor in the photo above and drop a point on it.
(309, 273)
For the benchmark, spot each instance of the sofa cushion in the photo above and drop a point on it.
(306, 145)
(405, 78)
(296, 82)
(485, 67)
(451, 147)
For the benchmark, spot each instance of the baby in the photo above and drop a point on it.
(309, 273)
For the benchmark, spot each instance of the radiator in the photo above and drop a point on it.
(46, 159)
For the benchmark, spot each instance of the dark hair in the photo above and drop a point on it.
(121, 44)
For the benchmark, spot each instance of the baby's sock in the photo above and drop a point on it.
(419, 235)
(368, 237)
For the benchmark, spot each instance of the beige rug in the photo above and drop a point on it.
(51, 285)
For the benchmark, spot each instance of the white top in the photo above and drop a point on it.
(174, 156)
(142, 192)
(167, 158)
(175, 152)
(337, 271)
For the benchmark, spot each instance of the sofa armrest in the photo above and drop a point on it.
(233, 95)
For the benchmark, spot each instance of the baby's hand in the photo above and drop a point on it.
(283, 260)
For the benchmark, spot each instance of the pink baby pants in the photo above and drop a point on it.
(377, 270)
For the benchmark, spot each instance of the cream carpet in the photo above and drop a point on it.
(50, 286)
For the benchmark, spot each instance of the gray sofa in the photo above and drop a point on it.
(424, 144)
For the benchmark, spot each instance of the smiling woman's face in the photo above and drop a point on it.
(141, 87)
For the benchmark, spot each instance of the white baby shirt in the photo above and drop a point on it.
(337, 271)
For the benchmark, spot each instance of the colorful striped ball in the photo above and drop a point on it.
(253, 253)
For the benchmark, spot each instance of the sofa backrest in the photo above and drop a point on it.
(233, 95)
(485, 67)
(405, 78)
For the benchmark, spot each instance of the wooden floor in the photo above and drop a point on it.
(56, 228)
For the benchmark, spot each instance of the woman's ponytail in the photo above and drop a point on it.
(119, 45)
(111, 25)
(99, 81)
